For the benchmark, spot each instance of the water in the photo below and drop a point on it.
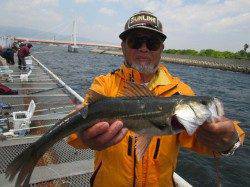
(79, 69)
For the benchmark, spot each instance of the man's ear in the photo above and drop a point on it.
(162, 46)
(123, 47)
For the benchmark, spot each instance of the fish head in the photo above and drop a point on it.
(191, 114)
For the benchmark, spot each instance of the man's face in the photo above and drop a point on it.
(142, 51)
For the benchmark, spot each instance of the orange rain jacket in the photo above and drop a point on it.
(116, 165)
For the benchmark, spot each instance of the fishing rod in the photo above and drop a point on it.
(36, 127)
(37, 50)
(42, 52)
(40, 103)
(40, 91)
(51, 109)
(69, 89)
(49, 89)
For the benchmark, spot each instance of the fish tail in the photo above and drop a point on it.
(24, 164)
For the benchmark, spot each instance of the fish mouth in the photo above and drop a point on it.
(176, 125)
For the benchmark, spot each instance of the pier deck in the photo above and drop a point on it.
(62, 164)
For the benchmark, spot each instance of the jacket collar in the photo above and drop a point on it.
(161, 78)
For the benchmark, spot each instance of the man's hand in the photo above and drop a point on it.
(103, 135)
(219, 135)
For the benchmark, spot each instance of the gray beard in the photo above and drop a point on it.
(145, 69)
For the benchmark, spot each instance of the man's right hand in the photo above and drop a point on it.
(103, 135)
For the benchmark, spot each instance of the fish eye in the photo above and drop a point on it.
(162, 126)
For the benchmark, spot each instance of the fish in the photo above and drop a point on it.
(139, 110)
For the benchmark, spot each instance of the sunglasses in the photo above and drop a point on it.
(153, 42)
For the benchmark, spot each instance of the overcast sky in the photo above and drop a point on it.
(195, 24)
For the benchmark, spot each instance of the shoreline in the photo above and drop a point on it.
(234, 65)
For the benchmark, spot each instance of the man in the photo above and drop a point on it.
(8, 54)
(1, 53)
(115, 162)
(23, 52)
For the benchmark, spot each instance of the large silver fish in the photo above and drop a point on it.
(140, 111)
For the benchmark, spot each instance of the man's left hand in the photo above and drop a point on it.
(219, 135)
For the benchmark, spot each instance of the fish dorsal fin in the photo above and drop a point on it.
(92, 96)
(136, 90)
(141, 145)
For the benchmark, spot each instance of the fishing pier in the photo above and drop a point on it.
(39, 99)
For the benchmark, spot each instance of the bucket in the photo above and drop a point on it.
(29, 63)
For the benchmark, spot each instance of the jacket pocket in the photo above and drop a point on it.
(92, 179)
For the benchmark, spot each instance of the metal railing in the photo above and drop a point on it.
(70, 90)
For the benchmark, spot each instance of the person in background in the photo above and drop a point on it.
(8, 54)
(115, 160)
(21, 44)
(1, 49)
(23, 52)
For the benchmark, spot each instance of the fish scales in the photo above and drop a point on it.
(130, 110)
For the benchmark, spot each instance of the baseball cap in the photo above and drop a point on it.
(143, 20)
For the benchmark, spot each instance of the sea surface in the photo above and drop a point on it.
(78, 70)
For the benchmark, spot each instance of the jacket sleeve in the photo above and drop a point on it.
(98, 85)
(191, 142)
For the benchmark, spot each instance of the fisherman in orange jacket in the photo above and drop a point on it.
(115, 161)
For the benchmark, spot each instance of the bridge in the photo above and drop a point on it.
(64, 42)
(60, 28)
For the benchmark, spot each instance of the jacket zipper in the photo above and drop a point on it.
(157, 147)
(134, 178)
(92, 179)
(130, 144)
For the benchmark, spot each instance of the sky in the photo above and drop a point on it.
(188, 24)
